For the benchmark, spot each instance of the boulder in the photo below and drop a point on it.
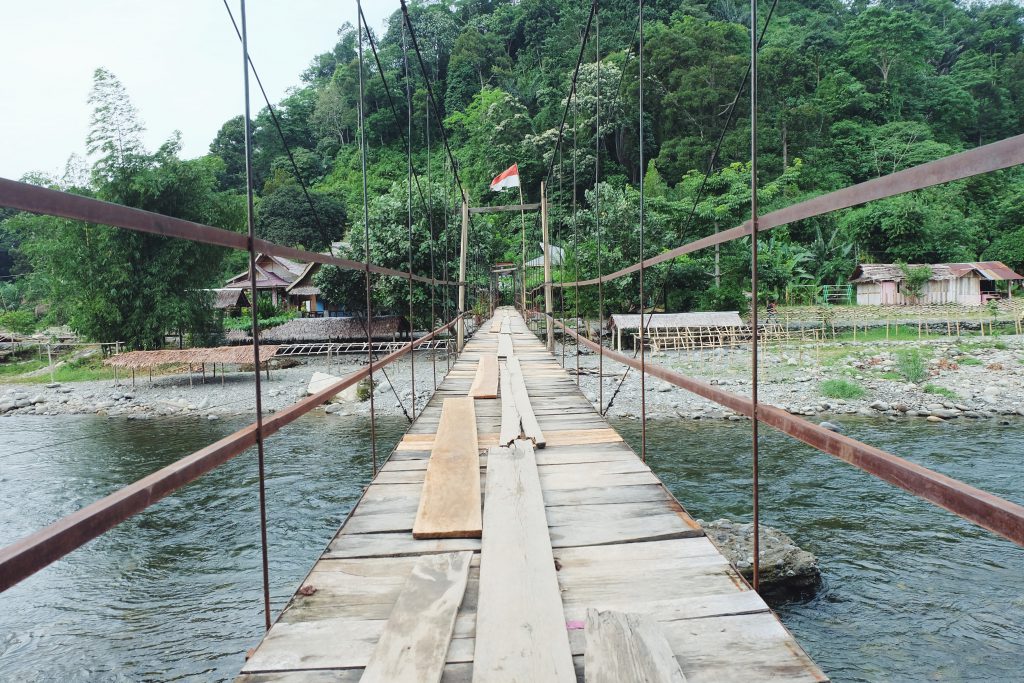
(321, 380)
(880, 406)
(785, 569)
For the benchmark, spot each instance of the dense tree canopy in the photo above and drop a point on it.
(850, 91)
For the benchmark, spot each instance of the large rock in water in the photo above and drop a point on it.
(785, 571)
(321, 380)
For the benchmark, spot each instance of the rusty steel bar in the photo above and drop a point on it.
(250, 215)
(755, 422)
(985, 159)
(23, 558)
(988, 511)
(41, 200)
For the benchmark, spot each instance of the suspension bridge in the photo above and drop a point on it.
(512, 534)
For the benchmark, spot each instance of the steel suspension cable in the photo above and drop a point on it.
(251, 220)
(643, 355)
(287, 148)
(408, 105)
(753, 293)
(597, 207)
(575, 225)
(430, 227)
(366, 241)
(572, 84)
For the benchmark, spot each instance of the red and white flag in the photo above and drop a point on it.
(507, 178)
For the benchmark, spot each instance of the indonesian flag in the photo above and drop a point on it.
(507, 178)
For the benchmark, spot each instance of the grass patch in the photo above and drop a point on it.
(81, 370)
(969, 360)
(11, 370)
(890, 375)
(940, 391)
(911, 364)
(841, 388)
(875, 334)
(1001, 345)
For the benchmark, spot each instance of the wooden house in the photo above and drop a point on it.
(230, 300)
(305, 296)
(273, 275)
(967, 284)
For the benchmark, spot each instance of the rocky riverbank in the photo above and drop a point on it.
(975, 378)
(231, 394)
(970, 378)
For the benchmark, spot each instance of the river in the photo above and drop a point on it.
(910, 592)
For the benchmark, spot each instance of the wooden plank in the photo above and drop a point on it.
(415, 640)
(624, 646)
(520, 625)
(510, 418)
(485, 383)
(505, 346)
(531, 428)
(504, 207)
(450, 502)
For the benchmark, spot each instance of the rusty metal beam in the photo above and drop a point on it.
(991, 512)
(992, 157)
(34, 552)
(510, 207)
(49, 202)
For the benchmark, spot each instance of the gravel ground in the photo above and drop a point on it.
(172, 394)
(973, 378)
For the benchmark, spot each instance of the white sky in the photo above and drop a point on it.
(179, 60)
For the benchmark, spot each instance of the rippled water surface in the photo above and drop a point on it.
(174, 593)
(911, 592)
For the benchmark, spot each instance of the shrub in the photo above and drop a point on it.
(841, 388)
(22, 322)
(910, 364)
(364, 389)
(940, 391)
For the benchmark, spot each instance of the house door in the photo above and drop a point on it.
(888, 293)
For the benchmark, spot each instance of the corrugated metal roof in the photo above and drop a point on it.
(625, 321)
(893, 272)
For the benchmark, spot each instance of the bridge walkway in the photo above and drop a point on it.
(619, 539)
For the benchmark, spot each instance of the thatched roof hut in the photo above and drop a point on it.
(228, 355)
(333, 329)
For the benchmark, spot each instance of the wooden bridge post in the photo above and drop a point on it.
(463, 248)
(548, 297)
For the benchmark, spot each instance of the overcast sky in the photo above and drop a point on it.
(179, 60)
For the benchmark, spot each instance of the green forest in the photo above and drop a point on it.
(849, 91)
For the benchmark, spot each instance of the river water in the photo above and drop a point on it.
(910, 593)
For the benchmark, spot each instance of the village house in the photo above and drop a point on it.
(967, 284)
(273, 275)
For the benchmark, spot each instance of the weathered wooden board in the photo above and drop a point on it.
(505, 346)
(531, 428)
(625, 646)
(485, 383)
(387, 544)
(450, 503)
(511, 422)
(520, 626)
(415, 641)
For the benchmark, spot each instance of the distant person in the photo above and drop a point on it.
(773, 310)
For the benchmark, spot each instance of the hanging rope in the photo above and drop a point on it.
(597, 208)
(430, 228)
(575, 226)
(366, 240)
(643, 355)
(251, 219)
(753, 291)
(408, 138)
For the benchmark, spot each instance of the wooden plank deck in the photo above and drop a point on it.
(619, 540)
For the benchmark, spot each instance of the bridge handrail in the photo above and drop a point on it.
(987, 510)
(995, 156)
(25, 557)
(42, 200)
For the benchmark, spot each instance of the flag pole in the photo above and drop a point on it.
(522, 215)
